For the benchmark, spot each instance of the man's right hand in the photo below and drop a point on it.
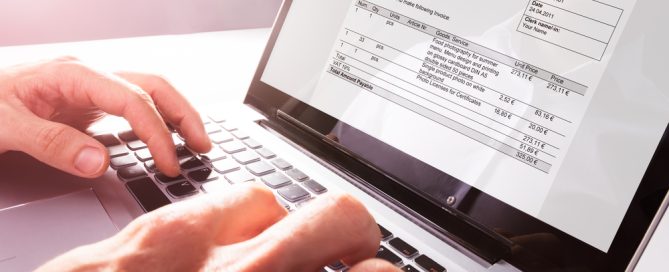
(46, 106)
(243, 229)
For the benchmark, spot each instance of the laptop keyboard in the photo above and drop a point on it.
(235, 158)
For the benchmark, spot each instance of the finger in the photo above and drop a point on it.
(56, 144)
(333, 227)
(82, 86)
(236, 215)
(174, 108)
(181, 236)
(374, 265)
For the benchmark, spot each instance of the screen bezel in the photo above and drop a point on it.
(639, 216)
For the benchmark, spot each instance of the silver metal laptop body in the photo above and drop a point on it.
(483, 136)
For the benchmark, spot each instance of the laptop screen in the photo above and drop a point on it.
(528, 116)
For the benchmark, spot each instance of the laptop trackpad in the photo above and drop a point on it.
(36, 232)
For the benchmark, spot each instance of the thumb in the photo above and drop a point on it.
(60, 146)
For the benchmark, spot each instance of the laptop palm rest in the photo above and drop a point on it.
(33, 233)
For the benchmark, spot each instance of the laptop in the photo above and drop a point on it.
(482, 136)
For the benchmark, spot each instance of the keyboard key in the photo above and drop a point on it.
(384, 253)
(276, 180)
(251, 143)
(409, 268)
(266, 153)
(147, 194)
(429, 264)
(304, 202)
(181, 189)
(225, 166)
(136, 145)
(260, 168)
(123, 161)
(131, 172)
(202, 175)
(220, 137)
(385, 234)
(117, 150)
(233, 147)
(143, 155)
(150, 166)
(240, 134)
(314, 186)
(128, 136)
(215, 186)
(162, 178)
(182, 151)
(293, 193)
(239, 177)
(212, 128)
(190, 163)
(229, 126)
(215, 154)
(336, 265)
(404, 248)
(296, 174)
(246, 157)
(217, 117)
(282, 164)
(107, 140)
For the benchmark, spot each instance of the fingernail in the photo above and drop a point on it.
(89, 161)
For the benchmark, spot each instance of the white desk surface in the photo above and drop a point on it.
(203, 66)
(210, 68)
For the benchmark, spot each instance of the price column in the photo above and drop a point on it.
(503, 103)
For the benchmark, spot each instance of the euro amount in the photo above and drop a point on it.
(530, 149)
(507, 99)
(534, 142)
(527, 158)
(522, 75)
(558, 89)
(544, 115)
(503, 113)
(537, 128)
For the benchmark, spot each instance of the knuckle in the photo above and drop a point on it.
(348, 204)
(379, 265)
(66, 58)
(71, 65)
(164, 218)
(159, 80)
(49, 139)
(142, 97)
(7, 120)
(359, 221)
(70, 74)
(145, 227)
(259, 193)
(147, 220)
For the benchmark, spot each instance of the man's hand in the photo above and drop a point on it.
(45, 107)
(244, 229)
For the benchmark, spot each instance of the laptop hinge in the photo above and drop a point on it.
(476, 238)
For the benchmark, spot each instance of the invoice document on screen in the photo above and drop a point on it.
(490, 92)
